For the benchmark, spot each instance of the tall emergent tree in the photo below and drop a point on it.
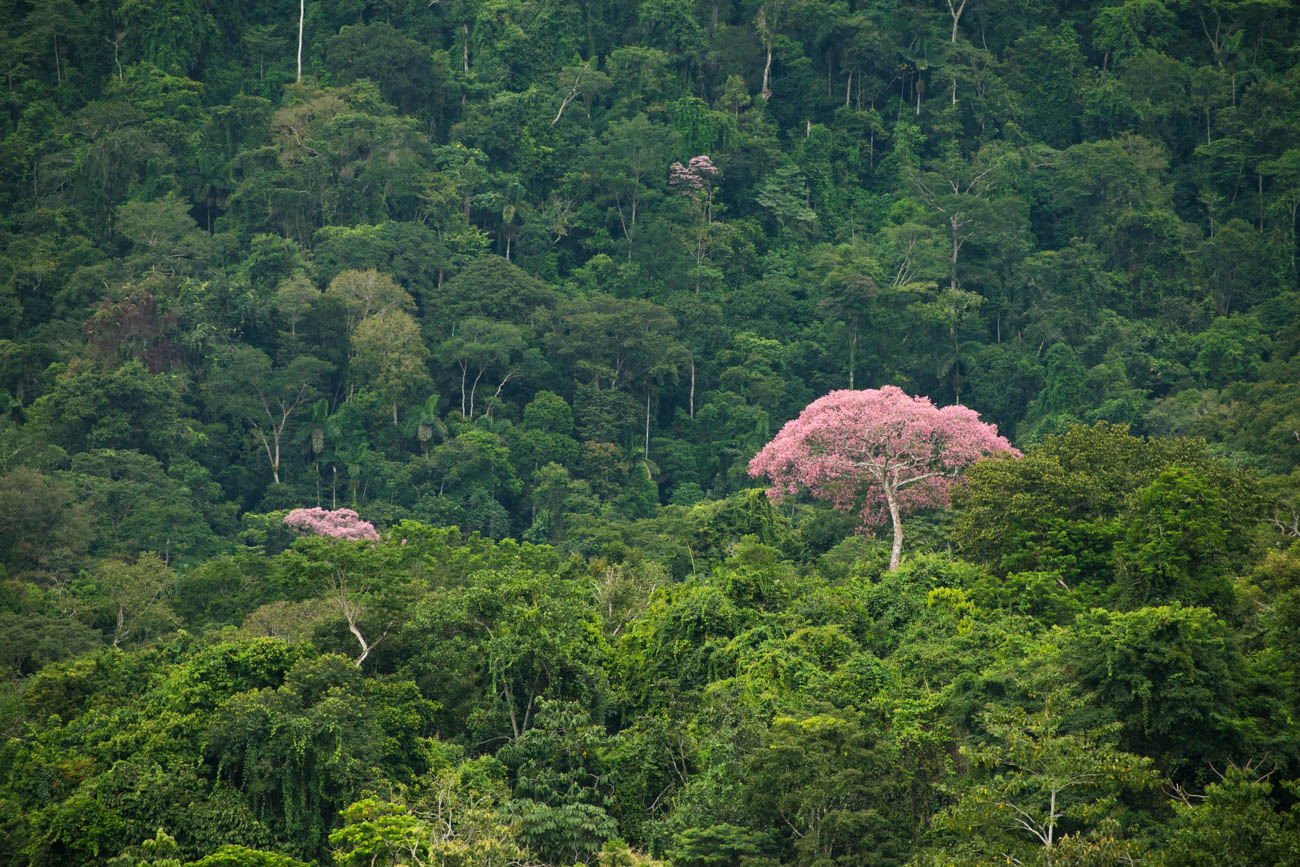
(877, 451)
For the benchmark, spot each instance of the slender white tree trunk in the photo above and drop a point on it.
(1051, 818)
(766, 92)
(692, 386)
(895, 553)
(955, 12)
(302, 15)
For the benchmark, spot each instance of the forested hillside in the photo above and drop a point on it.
(526, 285)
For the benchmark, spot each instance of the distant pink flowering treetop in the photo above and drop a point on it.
(879, 452)
(338, 524)
(695, 175)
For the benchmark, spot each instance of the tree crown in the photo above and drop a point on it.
(858, 449)
(337, 524)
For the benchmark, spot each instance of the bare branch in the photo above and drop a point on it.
(573, 93)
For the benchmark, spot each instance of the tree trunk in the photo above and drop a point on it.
(302, 15)
(956, 16)
(647, 424)
(853, 355)
(766, 92)
(272, 457)
(275, 465)
(956, 251)
(1051, 818)
(464, 369)
(472, 391)
(896, 552)
(692, 404)
(365, 648)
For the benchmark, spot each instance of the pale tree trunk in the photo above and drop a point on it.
(955, 12)
(896, 552)
(272, 455)
(275, 432)
(302, 15)
(765, 91)
(351, 612)
(573, 94)
(1051, 818)
(464, 371)
(472, 391)
(365, 648)
(953, 221)
(692, 410)
(853, 353)
(117, 47)
(508, 695)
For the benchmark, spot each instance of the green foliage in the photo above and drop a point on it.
(1086, 501)
(1169, 674)
(447, 276)
(495, 642)
(302, 751)
(1235, 820)
(821, 777)
(1035, 785)
(559, 784)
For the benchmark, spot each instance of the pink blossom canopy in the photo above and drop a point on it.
(856, 448)
(694, 174)
(337, 524)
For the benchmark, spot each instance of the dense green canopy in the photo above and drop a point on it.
(527, 284)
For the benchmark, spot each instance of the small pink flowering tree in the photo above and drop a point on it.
(697, 174)
(695, 181)
(879, 452)
(337, 524)
(352, 578)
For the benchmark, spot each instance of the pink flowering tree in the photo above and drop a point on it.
(879, 452)
(336, 524)
(355, 575)
(695, 181)
(697, 174)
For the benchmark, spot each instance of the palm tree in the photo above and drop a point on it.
(423, 423)
(356, 460)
